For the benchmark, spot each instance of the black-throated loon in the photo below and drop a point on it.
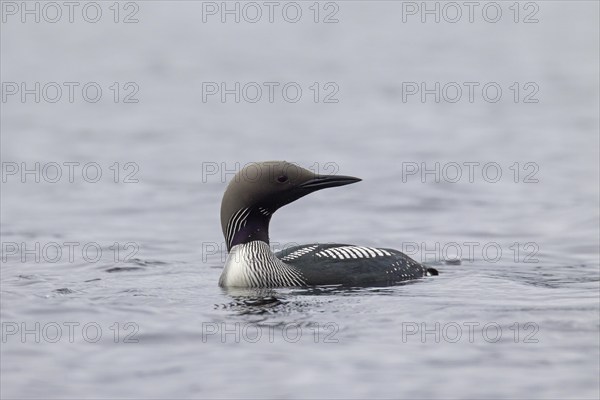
(251, 198)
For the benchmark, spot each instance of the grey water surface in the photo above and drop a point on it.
(120, 298)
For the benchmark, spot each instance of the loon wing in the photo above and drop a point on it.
(332, 264)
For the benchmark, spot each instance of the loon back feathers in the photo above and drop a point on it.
(331, 264)
(251, 198)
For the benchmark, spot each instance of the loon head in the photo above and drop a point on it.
(259, 189)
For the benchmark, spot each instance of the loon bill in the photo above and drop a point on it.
(251, 198)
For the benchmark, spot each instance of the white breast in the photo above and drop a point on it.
(235, 272)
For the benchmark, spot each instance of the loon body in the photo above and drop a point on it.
(251, 198)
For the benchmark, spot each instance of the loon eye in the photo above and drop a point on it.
(282, 179)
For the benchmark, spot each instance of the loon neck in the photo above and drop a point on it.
(248, 225)
(253, 264)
